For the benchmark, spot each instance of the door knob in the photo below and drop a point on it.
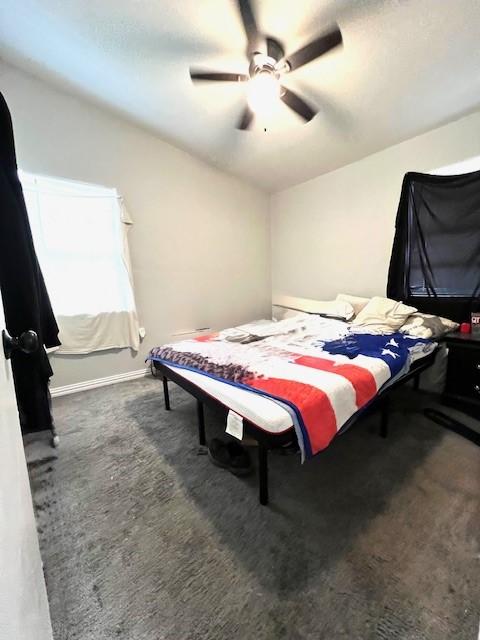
(26, 342)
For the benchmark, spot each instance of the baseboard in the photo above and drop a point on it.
(99, 382)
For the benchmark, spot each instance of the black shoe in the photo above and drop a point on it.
(231, 456)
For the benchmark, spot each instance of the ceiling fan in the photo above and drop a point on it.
(267, 64)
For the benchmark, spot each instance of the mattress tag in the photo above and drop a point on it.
(234, 425)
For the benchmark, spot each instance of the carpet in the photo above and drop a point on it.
(142, 538)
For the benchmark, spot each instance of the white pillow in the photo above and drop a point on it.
(332, 308)
(383, 315)
(426, 325)
(357, 302)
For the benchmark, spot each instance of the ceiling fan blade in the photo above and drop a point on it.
(297, 104)
(315, 49)
(249, 23)
(274, 49)
(246, 119)
(217, 76)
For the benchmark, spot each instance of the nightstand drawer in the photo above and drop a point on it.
(463, 374)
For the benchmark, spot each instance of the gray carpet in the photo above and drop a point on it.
(143, 539)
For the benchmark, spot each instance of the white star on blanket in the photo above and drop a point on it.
(387, 352)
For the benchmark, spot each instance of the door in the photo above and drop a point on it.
(24, 613)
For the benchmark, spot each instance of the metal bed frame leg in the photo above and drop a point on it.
(166, 395)
(201, 424)
(263, 473)
(416, 382)
(384, 417)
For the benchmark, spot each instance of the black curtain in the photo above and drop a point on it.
(25, 298)
(435, 263)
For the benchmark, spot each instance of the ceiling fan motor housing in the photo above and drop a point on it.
(262, 64)
(268, 61)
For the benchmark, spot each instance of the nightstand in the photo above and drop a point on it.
(462, 389)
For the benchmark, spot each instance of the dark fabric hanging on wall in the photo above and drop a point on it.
(25, 298)
(435, 263)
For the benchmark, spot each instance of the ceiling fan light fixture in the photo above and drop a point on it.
(263, 93)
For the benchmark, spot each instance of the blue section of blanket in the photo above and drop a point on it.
(393, 348)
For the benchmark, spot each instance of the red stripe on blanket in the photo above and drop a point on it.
(315, 408)
(207, 337)
(361, 379)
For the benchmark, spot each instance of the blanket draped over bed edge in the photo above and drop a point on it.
(322, 374)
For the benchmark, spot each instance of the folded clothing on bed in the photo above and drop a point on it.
(426, 325)
(318, 369)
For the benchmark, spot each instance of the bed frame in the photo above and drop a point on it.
(267, 441)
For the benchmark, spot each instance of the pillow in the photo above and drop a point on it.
(357, 302)
(332, 308)
(425, 325)
(383, 315)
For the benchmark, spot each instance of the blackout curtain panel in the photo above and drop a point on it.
(435, 263)
(25, 298)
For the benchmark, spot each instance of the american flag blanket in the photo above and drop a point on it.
(318, 369)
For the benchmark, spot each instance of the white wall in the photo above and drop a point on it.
(24, 613)
(334, 233)
(200, 246)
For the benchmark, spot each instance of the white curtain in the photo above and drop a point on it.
(80, 236)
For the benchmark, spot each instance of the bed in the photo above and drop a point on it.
(306, 379)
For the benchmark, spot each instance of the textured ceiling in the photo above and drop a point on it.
(406, 66)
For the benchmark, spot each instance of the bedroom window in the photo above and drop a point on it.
(452, 241)
(435, 261)
(464, 166)
(79, 232)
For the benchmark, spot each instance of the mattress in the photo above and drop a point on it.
(266, 414)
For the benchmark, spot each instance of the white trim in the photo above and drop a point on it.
(98, 382)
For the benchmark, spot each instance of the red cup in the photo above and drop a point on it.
(465, 327)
